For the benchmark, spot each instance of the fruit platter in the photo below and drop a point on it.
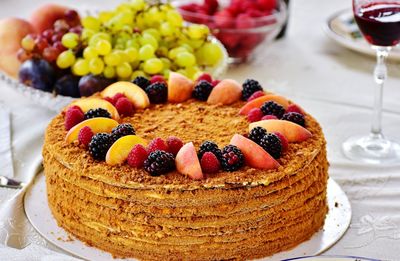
(61, 53)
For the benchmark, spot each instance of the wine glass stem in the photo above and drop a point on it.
(380, 75)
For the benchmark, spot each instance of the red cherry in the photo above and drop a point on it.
(59, 46)
(244, 21)
(41, 43)
(224, 19)
(48, 34)
(50, 54)
(76, 29)
(267, 4)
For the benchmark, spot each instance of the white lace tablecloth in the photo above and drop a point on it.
(332, 83)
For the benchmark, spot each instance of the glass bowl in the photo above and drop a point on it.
(241, 43)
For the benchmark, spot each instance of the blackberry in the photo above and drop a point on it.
(294, 117)
(121, 130)
(257, 133)
(95, 113)
(142, 82)
(273, 108)
(99, 145)
(157, 92)
(272, 144)
(249, 87)
(159, 162)
(202, 90)
(232, 158)
(209, 146)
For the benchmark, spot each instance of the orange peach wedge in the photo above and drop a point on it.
(180, 88)
(96, 124)
(255, 156)
(258, 102)
(187, 162)
(226, 92)
(134, 93)
(94, 103)
(292, 131)
(118, 152)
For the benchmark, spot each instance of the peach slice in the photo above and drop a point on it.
(134, 93)
(94, 103)
(254, 154)
(180, 88)
(118, 152)
(187, 163)
(257, 103)
(292, 131)
(97, 125)
(226, 92)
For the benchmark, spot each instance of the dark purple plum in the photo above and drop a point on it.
(68, 85)
(90, 84)
(37, 73)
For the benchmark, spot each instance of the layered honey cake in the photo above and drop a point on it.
(182, 170)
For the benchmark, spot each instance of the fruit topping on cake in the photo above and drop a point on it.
(294, 117)
(272, 144)
(180, 88)
(95, 103)
(209, 146)
(254, 115)
(255, 156)
(142, 82)
(232, 158)
(258, 102)
(73, 116)
(250, 86)
(85, 136)
(120, 149)
(187, 162)
(292, 131)
(97, 125)
(295, 108)
(210, 163)
(157, 144)
(226, 92)
(157, 92)
(202, 90)
(97, 113)
(273, 108)
(256, 95)
(174, 144)
(137, 156)
(159, 162)
(99, 145)
(122, 130)
(136, 95)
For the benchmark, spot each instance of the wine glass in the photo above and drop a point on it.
(379, 22)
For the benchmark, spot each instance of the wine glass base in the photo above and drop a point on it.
(372, 149)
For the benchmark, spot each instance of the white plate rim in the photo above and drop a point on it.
(344, 258)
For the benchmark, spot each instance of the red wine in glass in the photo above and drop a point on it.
(379, 22)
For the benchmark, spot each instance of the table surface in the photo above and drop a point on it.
(332, 83)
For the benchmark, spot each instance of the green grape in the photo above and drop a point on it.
(146, 52)
(195, 44)
(197, 74)
(187, 47)
(91, 22)
(198, 31)
(124, 70)
(112, 59)
(162, 51)
(166, 73)
(28, 43)
(122, 55)
(153, 66)
(97, 37)
(96, 65)
(132, 54)
(192, 71)
(148, 39)
(166, 62)
(167, 29)
(209, 54)
(65, 59)
(89, 53)
(140, 21)
(185, 59)
(87, 33)
(136, 74)
(137, 5)
(109, 72)
(123, 7)
(103, 47)
(154, 32)
(174, 52)
(135, 64)
(80, 67)
(70, 40)
(174, 18)
(105, 16)
(132, 43)
(183, 72)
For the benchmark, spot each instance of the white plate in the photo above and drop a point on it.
(332, 258)
(342, 28)
(38, 213)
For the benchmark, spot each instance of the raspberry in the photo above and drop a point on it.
(157, 144)
(294, 117)
(272, 144)
(209, 146)
(157, 92)
(158, 78)
(85, 135)
(254, 114)
(109, 99)
(99, 145)
(256, 95)
(273, 108)
(96, 113)
(205, 77)
(174, 144)
(232, 158)
(122, 130)
(257, 133)
(124, 106)
(249, 87)
(294, 108)
(73, 116)
(137, 156)
(142, 82)
(284, 141)
(202, 90)
(159, 162)
(269, 117)
(116, 97)
(210, 163)
(215, 83)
